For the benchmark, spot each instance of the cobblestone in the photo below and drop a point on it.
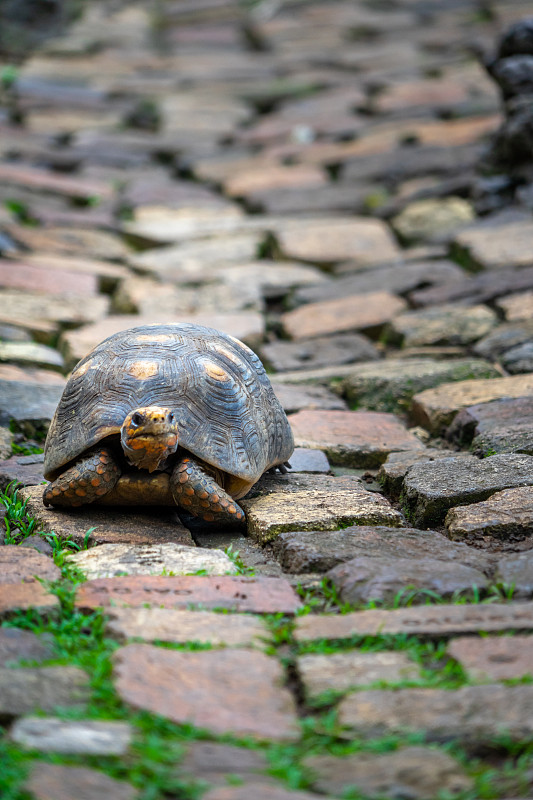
(430, 489)
(245, 699)
(417, 771)
(347, 189)
(442, 620)
(473, 713)
(260, 595)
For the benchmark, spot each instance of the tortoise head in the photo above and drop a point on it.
(149, 436)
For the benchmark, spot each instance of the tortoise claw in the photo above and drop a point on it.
(198, 493)
(91, 477)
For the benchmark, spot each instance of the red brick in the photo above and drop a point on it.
(259, 595)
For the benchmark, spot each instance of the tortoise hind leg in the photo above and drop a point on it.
(197, 492)
(91, 477)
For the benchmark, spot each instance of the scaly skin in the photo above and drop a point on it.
(91, 477)
(197, 492)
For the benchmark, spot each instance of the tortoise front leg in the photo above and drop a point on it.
(91, 477)
(197, 492)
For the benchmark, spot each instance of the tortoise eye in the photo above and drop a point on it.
(171, 417)
(136, 420)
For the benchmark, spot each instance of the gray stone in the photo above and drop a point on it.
(340, 672)
(108, 560)
(272, 279)
(296, 482)
(508, 423)
(410, 162)
(344, 348)
(304, 459)
(500, 522)
(31, 354)
(431, 489)
(504, 338)
(436, 408)
(389, 385)
(6, 441)
(220, 764)
(27, 470)
(446, 324)
(28, 689)
(86, 737)
(56, 782)
(317, 551)
(252, 554)
(316, 509)
(399, 279)
(180, 626)
(259, 790)
(516, 571)
(30, 402)
(39, 544)
(17, 645)
(515, 438)
(409, 772)
(429, 620)
(481, 288)
(44, 315)
(149, 297)
(433, 220)
(392, 473)
(519, 359)
(297, 398)
(109, 525)
(471, 714)
(497, 246)
(183, 262)
(382, 578)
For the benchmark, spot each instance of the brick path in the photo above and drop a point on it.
(306, 177)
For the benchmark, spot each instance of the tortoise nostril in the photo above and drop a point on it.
(136, 419)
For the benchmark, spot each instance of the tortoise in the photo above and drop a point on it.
(186, 402)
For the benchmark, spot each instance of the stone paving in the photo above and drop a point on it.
(344, 187)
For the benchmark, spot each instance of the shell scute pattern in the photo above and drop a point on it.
(226, 409)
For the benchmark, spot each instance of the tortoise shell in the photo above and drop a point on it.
(227, 412)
